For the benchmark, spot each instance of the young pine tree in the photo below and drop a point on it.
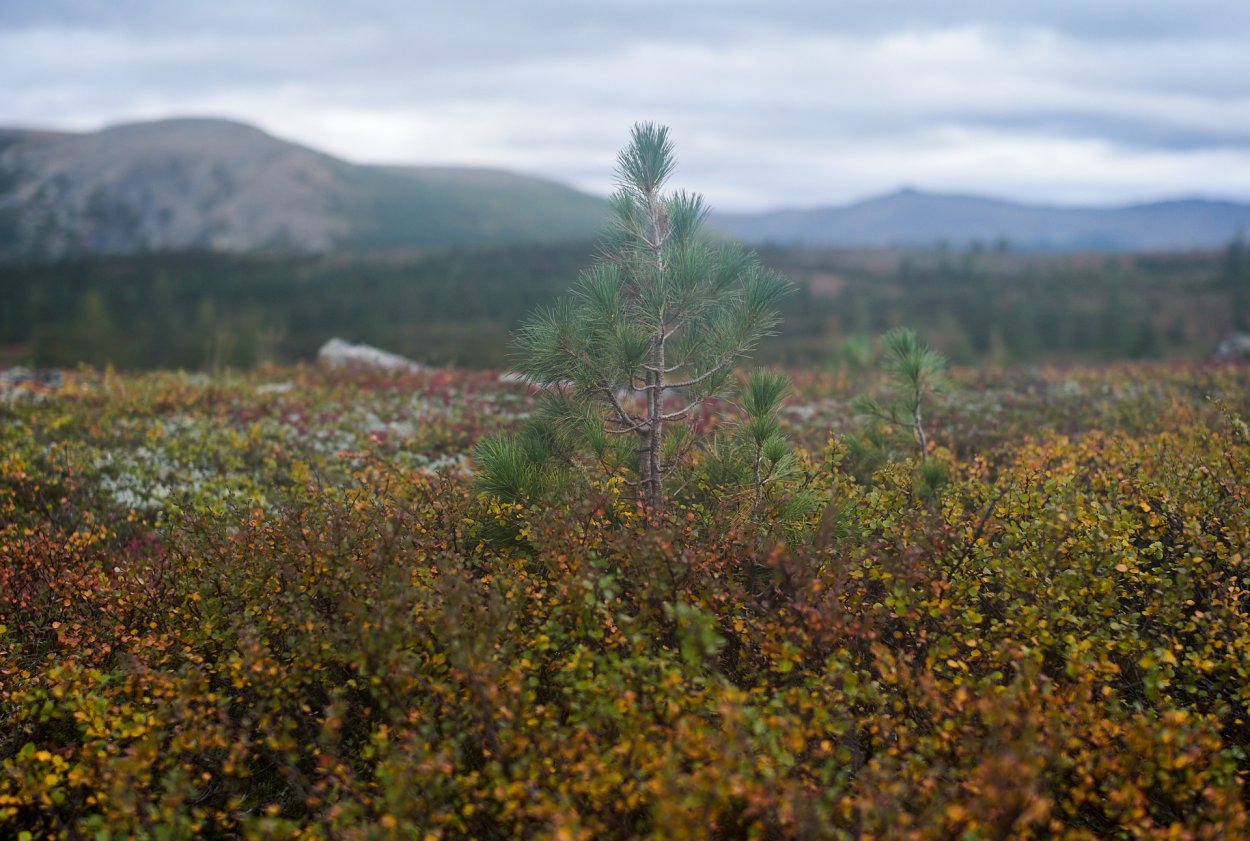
(916, 372)
(649, 333)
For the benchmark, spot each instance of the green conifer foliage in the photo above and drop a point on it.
(916, 371)
(649, 333)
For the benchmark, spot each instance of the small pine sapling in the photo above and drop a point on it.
(916, 372)
(648, 336)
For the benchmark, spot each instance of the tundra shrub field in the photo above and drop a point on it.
(271, 606)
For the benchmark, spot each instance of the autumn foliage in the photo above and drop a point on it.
(271, 606)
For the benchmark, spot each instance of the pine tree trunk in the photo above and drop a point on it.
(653, 481)
(656, 493)
(644, 470)
(649, 440)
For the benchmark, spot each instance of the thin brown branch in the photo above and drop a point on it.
(642, 424)
(683, 413)
(622, 415)
(715, 369)
(659, 371)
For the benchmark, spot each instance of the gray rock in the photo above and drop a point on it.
(338, 353)
(1233, 348)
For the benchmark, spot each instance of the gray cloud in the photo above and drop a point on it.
(799, 103)
(548, 21)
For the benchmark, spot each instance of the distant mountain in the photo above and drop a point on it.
(224, 186)
(910, 218)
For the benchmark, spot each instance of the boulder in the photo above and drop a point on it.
(338, 353)
(1235, 347)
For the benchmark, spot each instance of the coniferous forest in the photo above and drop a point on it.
(458, 306)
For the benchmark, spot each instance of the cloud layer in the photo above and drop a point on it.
(806, 103)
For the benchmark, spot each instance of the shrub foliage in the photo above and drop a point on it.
(265, 607)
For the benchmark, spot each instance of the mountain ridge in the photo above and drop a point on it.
(914, 218)
(220, 185)
(206, 183)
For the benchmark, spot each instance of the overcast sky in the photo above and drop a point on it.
(785, 103)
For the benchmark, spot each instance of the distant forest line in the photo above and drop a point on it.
(458, 306)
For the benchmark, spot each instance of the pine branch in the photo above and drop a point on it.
(683, 414)
(642, 424)
(622, 415)
(716, 369)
